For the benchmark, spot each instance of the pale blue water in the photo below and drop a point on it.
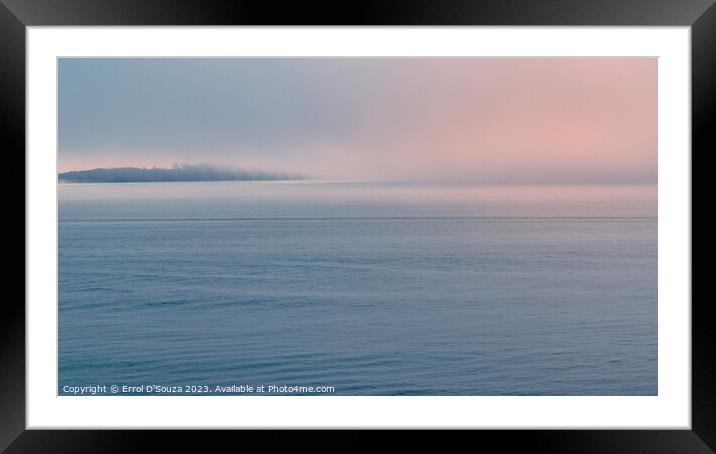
(374, 289)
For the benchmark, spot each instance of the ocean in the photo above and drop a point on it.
(357, 289)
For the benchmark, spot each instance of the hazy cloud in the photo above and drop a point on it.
(451, 118)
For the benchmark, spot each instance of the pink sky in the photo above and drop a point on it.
(492, 120)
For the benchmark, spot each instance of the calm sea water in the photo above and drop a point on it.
(373, 289)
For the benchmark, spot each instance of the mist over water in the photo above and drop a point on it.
(374, 289)
(498, 120)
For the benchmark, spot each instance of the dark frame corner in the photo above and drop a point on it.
(16, 15)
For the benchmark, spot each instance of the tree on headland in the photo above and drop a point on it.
(178, 172)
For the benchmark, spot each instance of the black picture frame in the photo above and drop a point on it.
(16, 15)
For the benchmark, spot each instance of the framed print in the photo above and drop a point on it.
(424, 217)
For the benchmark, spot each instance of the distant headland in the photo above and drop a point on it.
(179, 172)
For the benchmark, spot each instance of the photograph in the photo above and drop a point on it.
(357, 226)
(458, 218)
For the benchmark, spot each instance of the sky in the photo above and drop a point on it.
(481, 120)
